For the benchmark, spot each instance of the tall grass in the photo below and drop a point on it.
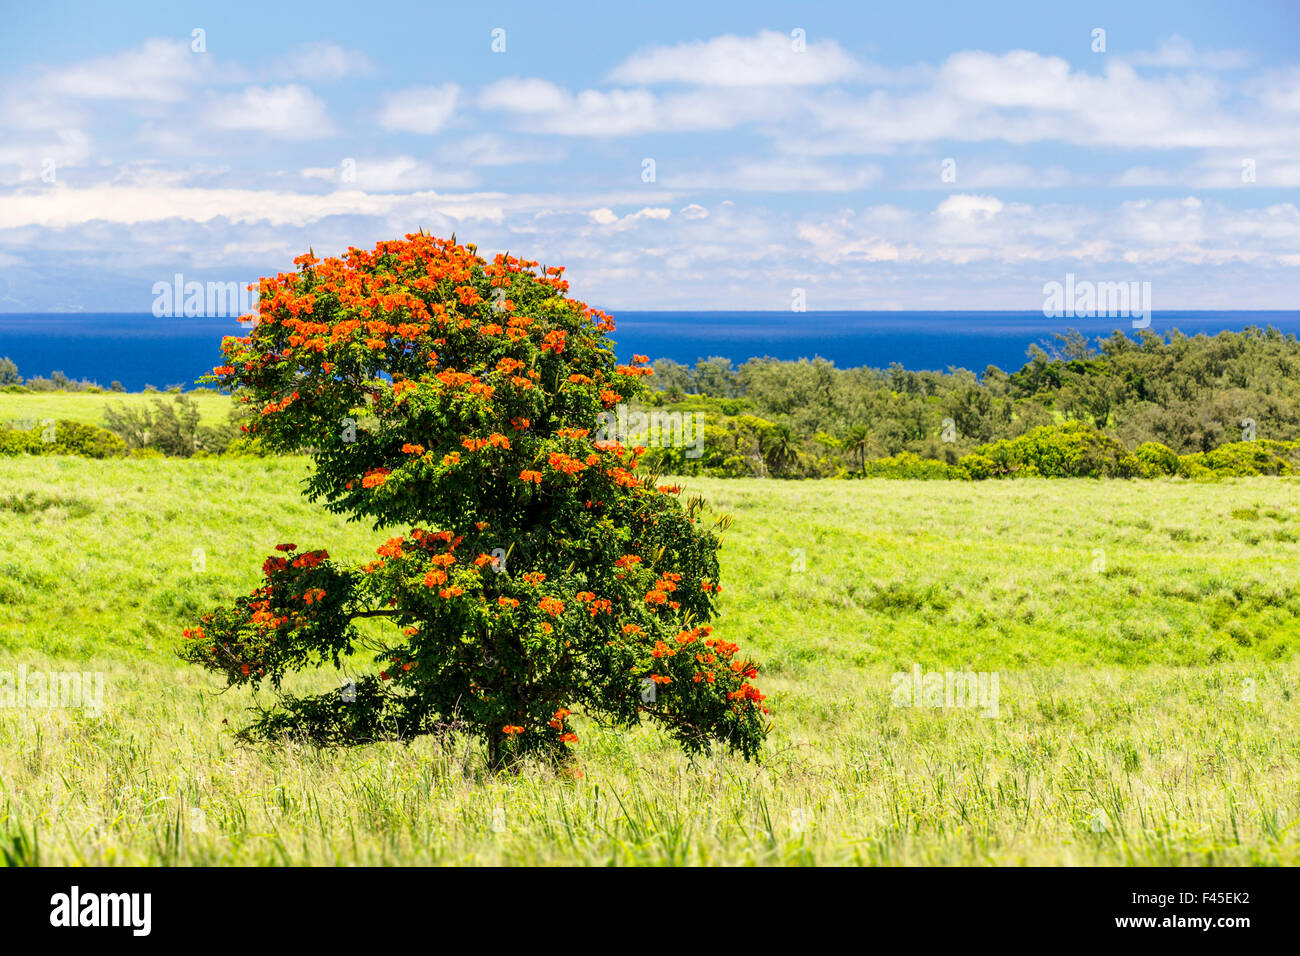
(1143, 634)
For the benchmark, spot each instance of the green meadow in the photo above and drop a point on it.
(1143, 636)
(87, 408)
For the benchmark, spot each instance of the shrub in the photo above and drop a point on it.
(980, 467)
(1244, 459)
(909, 465)
(75, 438)
(15, 441)
(61, 438)
(1068, 450)
(58, 382)
(1156, 459)
(544, 575)
(170, 428)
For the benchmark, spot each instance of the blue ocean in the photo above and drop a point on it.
(139, 350)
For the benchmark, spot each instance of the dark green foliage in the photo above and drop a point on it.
(1243, 459)
(61, 438)
(1172, 396)
(172, 429)
(1071, 450)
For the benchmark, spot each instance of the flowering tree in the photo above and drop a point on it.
(543, 575)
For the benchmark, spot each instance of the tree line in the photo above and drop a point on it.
(807, 418)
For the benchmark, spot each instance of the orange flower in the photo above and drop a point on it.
(563, 463)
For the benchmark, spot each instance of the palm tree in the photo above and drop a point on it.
(779, 447)
(859, 443)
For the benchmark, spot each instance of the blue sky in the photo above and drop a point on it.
(921, 156)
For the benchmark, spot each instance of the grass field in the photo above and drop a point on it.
(1143, 635)
(88, 407)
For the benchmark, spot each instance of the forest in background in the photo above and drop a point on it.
(1153, 405)
(1189, 396)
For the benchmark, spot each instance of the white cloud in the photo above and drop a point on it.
(385, 175)
(768, 59)
(545, 107)
(33, 108)
(1220, 169)
(290, 112)
(489, 149)
(1280, 90)
(607, 217)
(963, 206)
(1176, 52)
(966, 229)
(780, 175)
(64, 206)
(542, 106)
(1023, 97)
(159, 70)
(419, 109)
(60, 207)
(981, 174)
(321, 61)
(26, 158)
